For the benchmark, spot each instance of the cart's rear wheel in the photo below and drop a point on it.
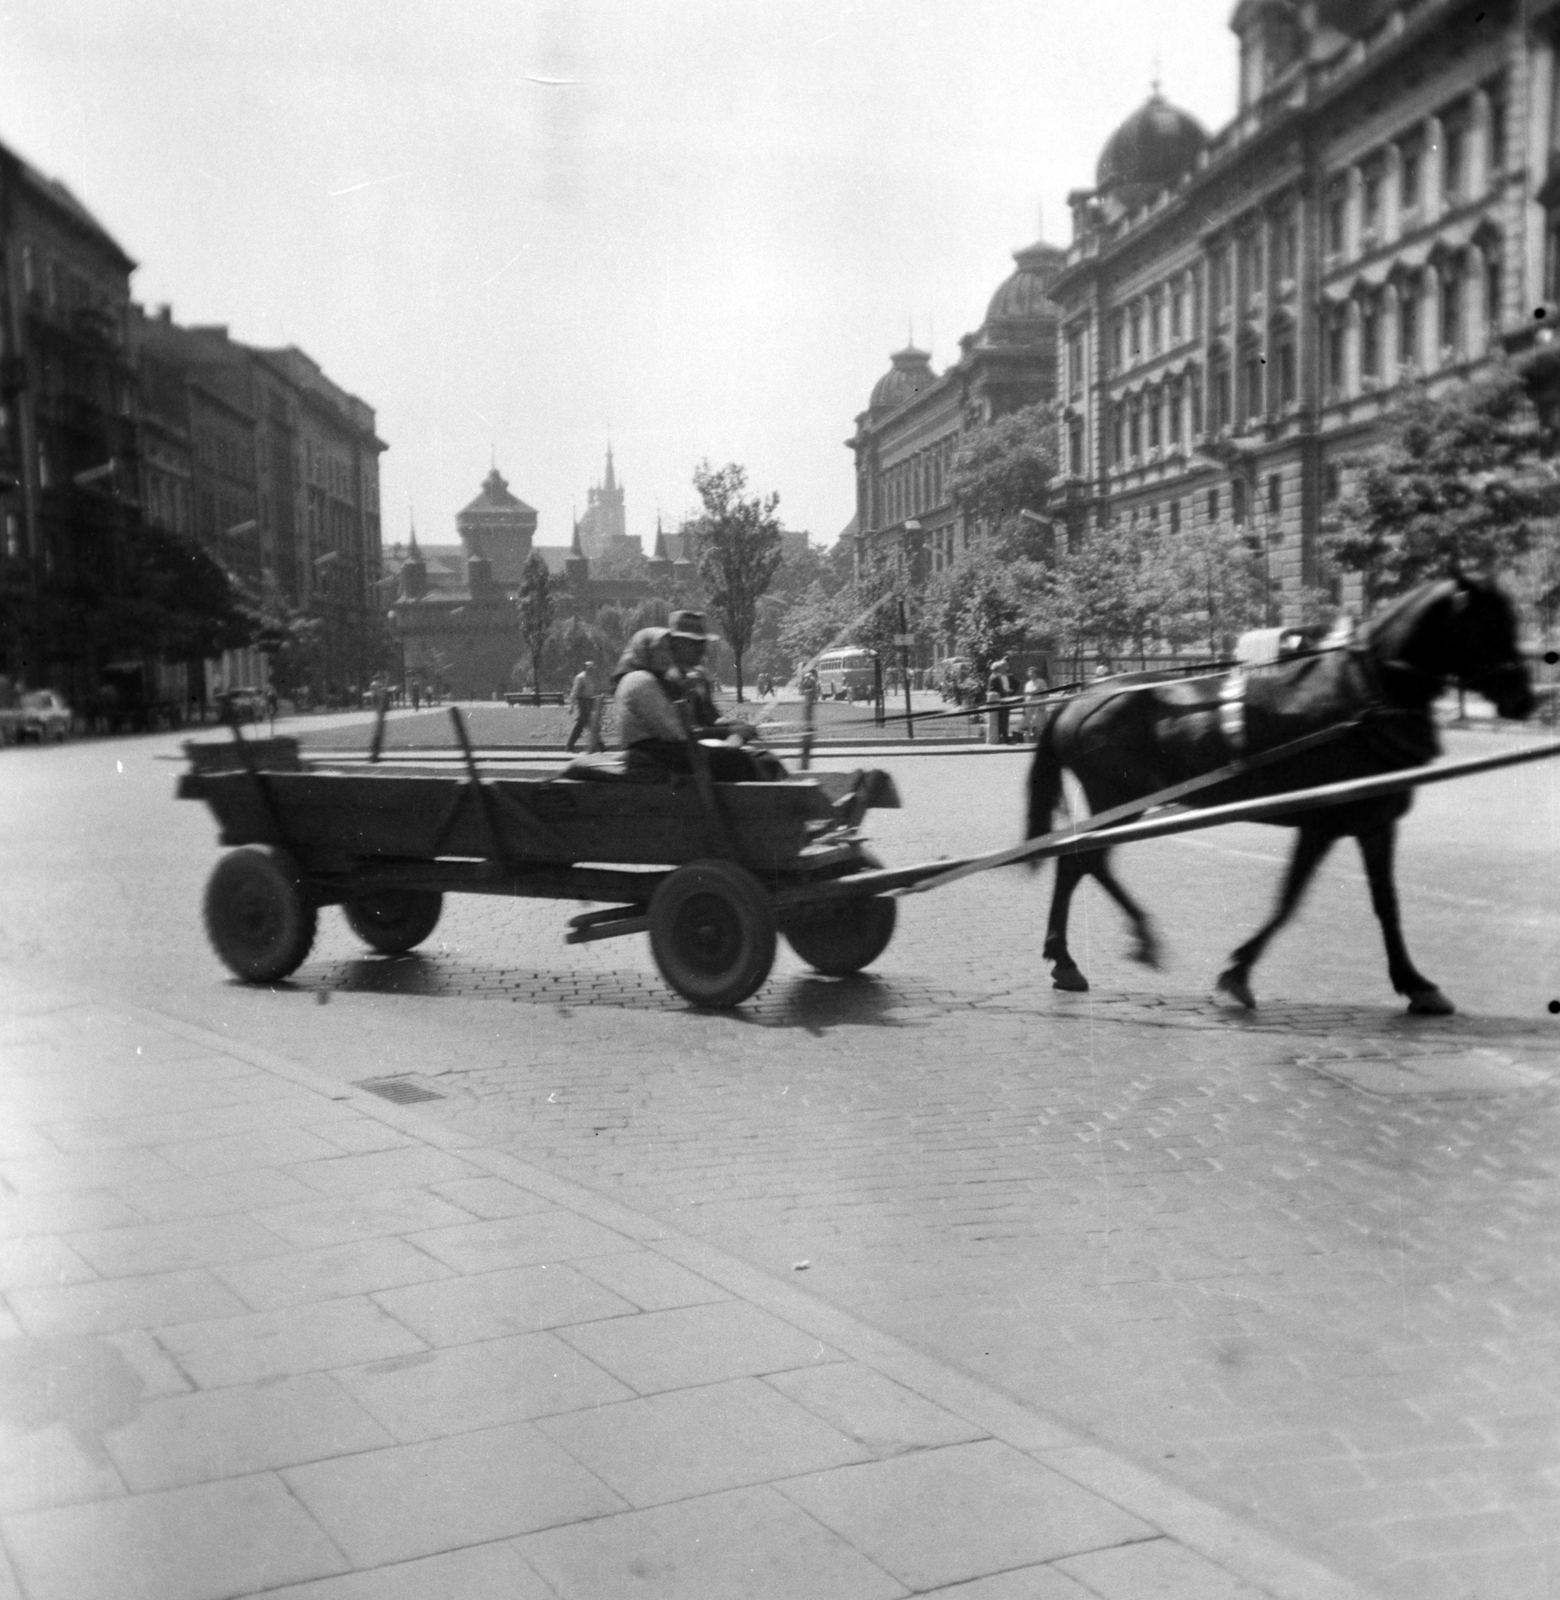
(394, 921)
(840, 937)
(260, 917)
(712, 932)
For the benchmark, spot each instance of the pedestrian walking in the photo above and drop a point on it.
(1001, 690)
(1035, 690)
(582, 701)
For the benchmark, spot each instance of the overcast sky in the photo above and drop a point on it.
(519, 228)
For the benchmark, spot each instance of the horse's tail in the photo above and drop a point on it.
(1045, 782)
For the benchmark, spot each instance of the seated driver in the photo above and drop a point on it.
(658, 673)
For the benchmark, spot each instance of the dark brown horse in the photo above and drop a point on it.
(1126, 739)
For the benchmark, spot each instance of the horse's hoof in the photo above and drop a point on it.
(1069, 978)
(1146, 952)
(1430, 1003)
(1233, 983)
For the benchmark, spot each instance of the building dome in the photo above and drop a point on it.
(1026, 294)
(910, 373)
(1154, 147)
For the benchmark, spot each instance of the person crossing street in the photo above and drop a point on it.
(582, 702)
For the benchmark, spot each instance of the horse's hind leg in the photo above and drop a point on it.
(1377, 849)
(1146, 947)
(1310, 850)
(1064, 970)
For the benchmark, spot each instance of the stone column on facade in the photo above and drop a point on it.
(1536, 62)
(1430, 285)
(1391, 330)
(1353, 366)
(1391, 193)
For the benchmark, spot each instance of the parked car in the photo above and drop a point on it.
(44, 717)
(241, 705)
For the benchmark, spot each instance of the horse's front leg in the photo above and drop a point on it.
(1064, 970)
(1311, 848)
(1146, 943)
(1378, 848)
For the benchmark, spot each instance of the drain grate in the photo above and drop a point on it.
(402, 1091)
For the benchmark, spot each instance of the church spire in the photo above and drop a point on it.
(610, 482)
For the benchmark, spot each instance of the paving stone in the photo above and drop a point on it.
(40, 1260)
(749, 1542)
(698, 1441)
(186, 1198)
(418, 1499)
(381, 1169)
(340, 1270)
(270, 1344)
(151, 1300)
(1022, 1583)
(964, 1511)
(551, 1235)
(494, 1304)
(226, 1433)
(696, 1344)
(885, 1416)
(441, 1392)
(651, 1281)
(1155, 1569)
(238, 1152)
(480, 1572)
(201, 1543)
(172, 1246)
(317, 1223)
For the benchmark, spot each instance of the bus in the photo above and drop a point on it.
(847, 674)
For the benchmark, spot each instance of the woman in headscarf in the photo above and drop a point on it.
(648, 689)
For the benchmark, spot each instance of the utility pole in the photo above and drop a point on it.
(903, 641)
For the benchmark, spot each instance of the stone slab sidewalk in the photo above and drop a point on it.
(261, 1333)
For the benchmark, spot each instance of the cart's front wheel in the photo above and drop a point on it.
(840, 937)
(712, 932)
(393, 921)
(259, 915)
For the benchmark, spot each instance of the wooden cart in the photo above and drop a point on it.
(712, 872)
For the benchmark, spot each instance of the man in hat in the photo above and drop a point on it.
(582, 701)
(1002, 688)
(689, 644)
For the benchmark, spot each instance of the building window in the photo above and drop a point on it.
(1336, 374)
(1408, 323)
(1173, 397)
(1253, 398)
(1492, 287)
(1075, 447)
(1197, 302)
(29, 271)
(1219, 266)
(1289, 245)
(1238, 502)
(1175, 516)
(1496, 151)
(1213, 505)
(1156, 341)
(1332, 482)
(1219, 394)
(1178, 310)
(1451, 311)
(13, 536)
(1370, 200)
(1154, 400)
(1410, 160)
(1075, 364)
(1336, 219)
(1135, 350)
(1370, 336)
(1285, 354)
(1118, 340)
(1135, 426)
(1117, 434)
(1275, 493)
(1454, 146)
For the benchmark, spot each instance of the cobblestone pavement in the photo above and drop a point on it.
(1302, 1263)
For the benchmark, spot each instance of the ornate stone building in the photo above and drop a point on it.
(906, 437)
(1239, 311)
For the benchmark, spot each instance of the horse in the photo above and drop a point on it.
(1128, 738)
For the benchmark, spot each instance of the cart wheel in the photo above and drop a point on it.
(712, 932)
(842, 936)
(259, 916)
(394, 921)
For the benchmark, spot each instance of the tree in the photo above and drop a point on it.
(1456, 485)
(1214, 587)
(535, 604)
(1103, 595)
(980, 607)
(739, 551)
(1005, 468)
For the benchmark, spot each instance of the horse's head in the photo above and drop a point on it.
(1464, 631)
